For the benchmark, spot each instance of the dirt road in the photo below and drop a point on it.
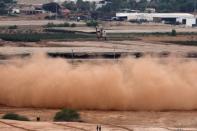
(33, 22)
(96, 46)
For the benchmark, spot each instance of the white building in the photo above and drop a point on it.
(182, 18)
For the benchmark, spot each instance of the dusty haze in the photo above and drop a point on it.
(131, 84)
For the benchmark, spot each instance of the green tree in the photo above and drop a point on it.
(142, 5)
(7, 1)
(93, 6)
(159, 5)
(4, 4)
(132, 4)
(70, 5)
(174, 5)
(83, 5)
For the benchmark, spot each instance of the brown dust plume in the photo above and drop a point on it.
(131, 84)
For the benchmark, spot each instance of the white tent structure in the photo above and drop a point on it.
(184, 18)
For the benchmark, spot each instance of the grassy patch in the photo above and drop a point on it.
(66, 24)
(67, 115)
(92, 23)
(12, 27)
(187, 43)
(150, 34)
(12, 116)
(35, 37)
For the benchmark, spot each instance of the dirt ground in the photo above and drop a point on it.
(31, 22)
(133, 29)
(110, 27)
(110, 120)
(96, 46)
(170, 38)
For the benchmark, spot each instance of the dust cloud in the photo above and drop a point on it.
(130, 84)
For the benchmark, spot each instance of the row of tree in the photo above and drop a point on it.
(4, 4)
(80, 5)
(116, 5)
(174, 5)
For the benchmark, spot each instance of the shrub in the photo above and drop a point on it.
(187, 43)
(64, 25)
(73, 25)
(50, 25)
(57, 25)
(92, 23)
(20, 37)
(173, 33)
(50, 17)
(12, 116)
(35, 37)
(12, 27)
(67, 115)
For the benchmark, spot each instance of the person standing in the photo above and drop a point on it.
(98, 128)
(104, 35)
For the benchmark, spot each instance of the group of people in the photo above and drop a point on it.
(101, 33)
(98, 128)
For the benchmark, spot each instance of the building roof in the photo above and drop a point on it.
(157, 15)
